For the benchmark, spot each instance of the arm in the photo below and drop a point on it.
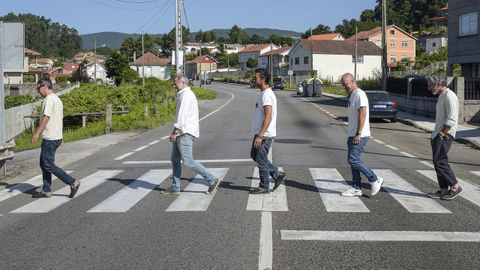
(451, 110)
(362, 114)
(266, 123)
(41, 127)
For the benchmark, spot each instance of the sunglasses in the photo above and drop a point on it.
(40, 86)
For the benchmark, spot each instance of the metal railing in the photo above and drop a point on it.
(472, 88)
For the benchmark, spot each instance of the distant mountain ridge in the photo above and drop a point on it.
(115, 39)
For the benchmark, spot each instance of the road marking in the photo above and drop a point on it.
(130, 195)
(19, 188)
(381, 236)
(378, 141)
(265, 256)
(124, 156)
(154, 142)
(426, 163)
(330, 185)
(165, 137)
(230, 100)
(476, 172)
(407, 154)
(274, 201)
(200, 160)
(470, 192)
(141, 148)
(60, 196)
(392, 147)
(193, 197)
(410, 197)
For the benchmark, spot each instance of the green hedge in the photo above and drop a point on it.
(14, 101)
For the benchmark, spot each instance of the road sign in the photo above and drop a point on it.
(13, 40)
(290, 72)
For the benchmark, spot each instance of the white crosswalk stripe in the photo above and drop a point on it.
(476, 172)
(470, 191)
(193, 197)
(330, 185)
(60, 196)
(274, 201)
(130, 195)
(411, 198)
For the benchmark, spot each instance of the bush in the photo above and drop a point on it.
(14, 101)
(62, 81)
(370, 84)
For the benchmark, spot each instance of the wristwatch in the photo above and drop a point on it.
(358, 133)
(259, 136)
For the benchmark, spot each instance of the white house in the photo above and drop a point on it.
(233, 48)
(253, 51)
(332, 58)
(154, 66)
(192, 47)
(280, 61)
(435, 43)
(42, 63)
(100, 72)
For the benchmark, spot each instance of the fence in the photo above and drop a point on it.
(472, 88)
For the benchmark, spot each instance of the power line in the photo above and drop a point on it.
(185, 13)
(161, 15)
(137, 2)
(155, 15)
(122, 8)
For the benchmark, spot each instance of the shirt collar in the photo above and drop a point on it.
(183, 90)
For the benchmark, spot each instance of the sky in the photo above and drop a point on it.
(158, 16)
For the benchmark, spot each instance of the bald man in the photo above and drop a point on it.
(358, 134)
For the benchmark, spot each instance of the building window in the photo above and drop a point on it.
(291, 62)
(305, 60)
(392, 43)
(359, 58)
(476, 71)
(468, 24)
(392, 59)
(297, 60)
(392, 32)
(404, 43)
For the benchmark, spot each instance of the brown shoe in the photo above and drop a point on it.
(42, 194)
(74, 188)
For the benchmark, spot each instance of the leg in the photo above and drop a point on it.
(358, 166)
(264, 165)
(185, 144)
(175, 159)
(48, 163)
(47, 156)
(446, 177)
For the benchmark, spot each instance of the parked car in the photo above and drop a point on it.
(277, 86)
(382, 105)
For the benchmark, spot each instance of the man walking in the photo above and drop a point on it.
(51, 128)
(264, 129)
(186, 129)
(358, 134)
(446, 120)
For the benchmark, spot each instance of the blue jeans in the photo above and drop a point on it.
(182, 150)
(265, 167)
(47, 164)
(354, 152)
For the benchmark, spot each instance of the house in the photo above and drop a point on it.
(200, 65)
(253, 51)
(54, 72)
(16, 77)
(441, 20)
(233, 48)
(464, 38)
(95, 71)
(330, 59)
(82, 56)
(44, 63)
(152, 66)
(433, 43)
(400, 44)
(331, 36)
(71, 66)
(192, 47)
(279, 58)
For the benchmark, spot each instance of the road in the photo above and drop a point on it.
(119, 219)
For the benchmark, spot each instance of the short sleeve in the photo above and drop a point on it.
(363, 101)
(268, 100)
(49, 107)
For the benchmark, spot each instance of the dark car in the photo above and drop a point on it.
(277, 85)
(382, 105)
(253, 84)
(206, 81)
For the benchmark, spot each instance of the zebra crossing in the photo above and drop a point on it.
(193, 198)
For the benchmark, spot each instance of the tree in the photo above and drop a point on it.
(256, 39)
(252, 62)
(199, 36)
(320, 29)
(116, 64)
(128, 47)
(347, 28)
(367, 15)
(168, 40)
(237, 34)
(227, 60)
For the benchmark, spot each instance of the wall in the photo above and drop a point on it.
(332, 67)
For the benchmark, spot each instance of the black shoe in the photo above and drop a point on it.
(435, 195)
(214, 186)
(42, 194)
(260, 190)
(74, 188)
(278, 180)
(450, 195)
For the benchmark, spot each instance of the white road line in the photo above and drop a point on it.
(381, 236)
(200, 160)
(330, 184)
(378, 141)
(60, 196)
(165, 137)
(410, 197)
(392, 147)
(19, 188)
(274, 201)
(407, 154)
(130, 195)
(265, 256)
(141, 148)
(426, 163)
(124, 156)
(230, 100)
(476, 172)
(154, 142)
(193, 197)
(470, 191)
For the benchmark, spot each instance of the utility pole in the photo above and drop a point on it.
(2, 93)
(384, 45)
(200, 63)
(271, 60)
(95, 65)
(178, 34)
(356, 53)
(143, 62)
(311, 50)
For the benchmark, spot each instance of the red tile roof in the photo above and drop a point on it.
(330, 36)
(203, 59)
(43, 60)
(254, 48)
(277, 51)
(366, 34)
(31, 52)
(340, 47)
(151, 60)
(71, 66)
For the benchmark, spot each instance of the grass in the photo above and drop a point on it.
(335, 89)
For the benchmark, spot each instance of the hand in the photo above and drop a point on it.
(35, 137)
(173, 137)
(356, 139)
(257, 142)
(61, 144)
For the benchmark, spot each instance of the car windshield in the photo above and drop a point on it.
(378, 96)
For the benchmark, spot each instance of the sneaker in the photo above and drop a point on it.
(260, 190)
(435, 195)
(74, 188)
(278, 180)
(42, 194)
(171, 191)
(213, 186)
(352, 192)
(450, 195)
(376, 186)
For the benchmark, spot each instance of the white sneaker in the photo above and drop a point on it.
(351, 192)
(376, 186)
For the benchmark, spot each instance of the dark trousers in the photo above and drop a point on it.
(440, 148)
(265, 167)
(47, 164)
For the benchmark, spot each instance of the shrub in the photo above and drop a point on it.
(14, 101)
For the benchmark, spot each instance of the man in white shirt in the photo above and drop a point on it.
(446, 121)
(186, 129)
(358, 134)
(264, 129)
(51, 128)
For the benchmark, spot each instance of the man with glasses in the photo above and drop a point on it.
(51, 128)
